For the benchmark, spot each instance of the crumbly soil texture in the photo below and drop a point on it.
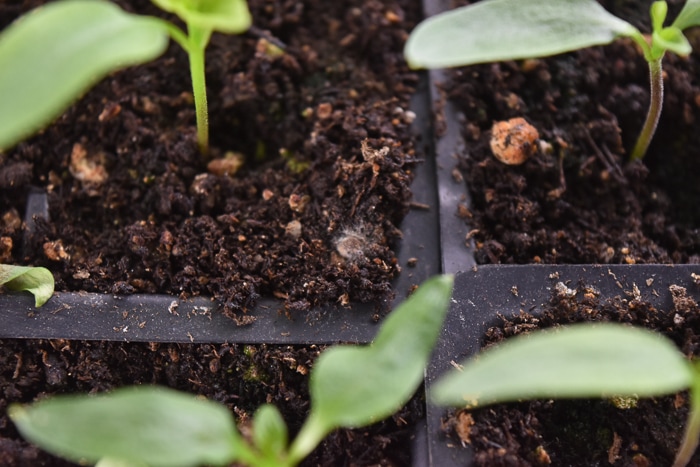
(578, 199)
(626, 432)
(311, 217)
(242, 377)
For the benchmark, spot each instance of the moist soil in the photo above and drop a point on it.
(314, 98)
(242, 377)
(584, 432)
(578, 199)
(311, 217)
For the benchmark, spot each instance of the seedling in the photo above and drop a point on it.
(495, 30)
(578, 361)
(38, 281)
(52, 55)
(349, 386)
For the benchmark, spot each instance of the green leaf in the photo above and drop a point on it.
(689, 15)
(38, 281)
(494, 30)
(658, 12)
(149, 425)
(269, 432)
(228, 16)
(576, 361)
(354, 386)
(52, 55)
(106, 462)
(671, 38)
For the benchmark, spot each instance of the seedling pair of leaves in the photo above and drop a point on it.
(349, 386)
(578, 361)
(52, 55)
(495, 30)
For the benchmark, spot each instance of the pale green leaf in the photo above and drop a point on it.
(52, 55)
(118, 463)
(577, 361)
(269, 432)
(149, 425)
(671, 38)
(39, 281)
(689, 15)
(229, 16)
(355, 386)
(495, 30)
(658, 12)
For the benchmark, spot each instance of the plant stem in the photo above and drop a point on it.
(312, 432)
(692, 427)
(175, 33)
(198, 39)
(656, 83)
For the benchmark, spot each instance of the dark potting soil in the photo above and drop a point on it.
(578, 199)
(242, 377)
(584, 432)
(310, 218)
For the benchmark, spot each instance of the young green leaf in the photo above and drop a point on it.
(228, 16)
(689, 15)
(38, 281)
(50, 57)
(354, 386)
(658, 12)
(149, 425)
(576, 361)
(269, 432)
(671, 38)
(494, 30)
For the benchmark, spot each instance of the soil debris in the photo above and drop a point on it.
(513, 141)
(134, 203)
(588, 431)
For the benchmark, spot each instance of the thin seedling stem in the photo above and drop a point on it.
(198, 41)
(692, 427)
(656, 83)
